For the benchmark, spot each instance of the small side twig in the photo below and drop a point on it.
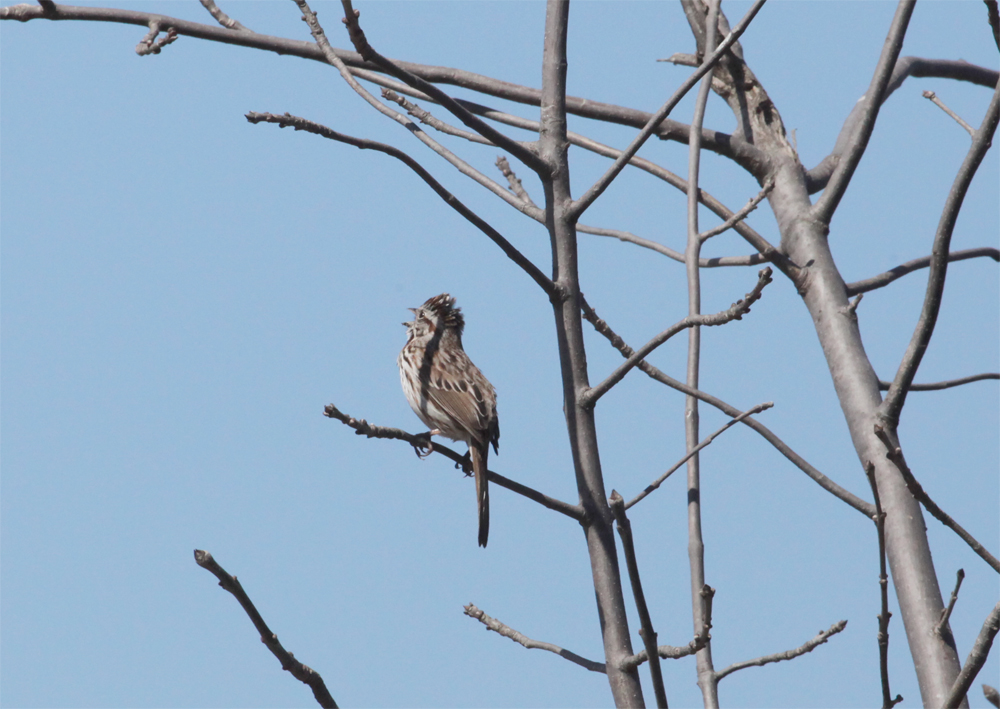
(602, 327)
(993, 16)
(646, 631)
(991, 694)
(301, 672)
(976, 659)
(512, 179)
(788, 654)
(947, 384)
(735, 312)
(946, 612)
(150, 44)
(694, 451)
(363, 428)
(670, 652)
(222, 18)
(883, 583)
(506, 631)
(884, 279)
(895, 454)
(740, 215)
(940, 104)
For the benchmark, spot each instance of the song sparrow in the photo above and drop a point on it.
(448, 392)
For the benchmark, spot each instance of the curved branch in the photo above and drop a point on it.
(894, 400)
(788, 654)
(865, 508)
(826, 205)
(817, 177)
(363, 428)
(506, 631)
(977, 658)
(884, 279)
(936, 386)
(299, 671)
(735, 312)
(451, 200)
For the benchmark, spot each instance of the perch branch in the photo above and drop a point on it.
(288, 662)
(506, 631)
(948, 384)
(363, 428)
(946, 612)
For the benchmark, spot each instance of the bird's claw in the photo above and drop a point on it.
(425, 446)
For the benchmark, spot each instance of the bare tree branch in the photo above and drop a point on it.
(884, 279)
(976, 659)
(669, 652)
(221, 17)
(506, 631)
(958, 119)
(525, 154)
(919, 67)
(646, 631)
(150, 44)
(894, 400)
(936, 386)
(823, 636)
(826, 205)
(694, 451)
(595, 191)
(512, 180)
(942, 625)
(740, 215)
(883, 584)
(895, 454)
(451, 200)
(420, 442)
(288, 662)
(993, 16)
(735, 312)
(991, 694)
(865, 508)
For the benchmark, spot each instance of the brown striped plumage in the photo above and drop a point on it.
(448, 392)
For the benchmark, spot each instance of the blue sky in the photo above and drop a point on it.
(183, 292)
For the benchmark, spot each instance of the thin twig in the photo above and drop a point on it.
(993, 16)
(525, 154)
(735, 312)
(940, 104)
(363, 428)
(884, 279)
(451, 200)
(506, 631)
(646, 631)
(948, 384)
(740, 215)
(827, 203)
(671, 652)
(892, 405)
(150, 44)
(895, 454)
(862, 506)
(823, 636)
(221, 17)
(595, 191)
(427, 118)
(512, 179)
(883, 583)
(301, 672)
(946, 612)
(991, 694)
(659, 481)
(976, 659)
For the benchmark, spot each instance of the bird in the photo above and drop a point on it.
(448, 392)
